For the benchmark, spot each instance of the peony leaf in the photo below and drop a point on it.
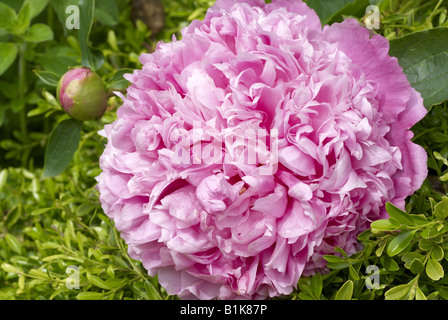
(90, 57)
(48, 78)
(423, 56)
(332, 10)
(61, 146)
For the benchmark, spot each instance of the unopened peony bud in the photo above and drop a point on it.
(82, 94)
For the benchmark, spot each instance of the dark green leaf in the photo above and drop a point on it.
(416, 266)
(8, 54)
(90, 57)
(326, 9)
(423, 56)
(400, 242)
(48, 78)
(117, 82)
(355, 8)
(61, 146)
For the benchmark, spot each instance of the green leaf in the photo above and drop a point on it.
(39, 32)
(419, 295)
(8, 17)
(437, 253)
(434, 270)
(355, 8)
(423, 56)
(117, 82)
(47, 77)
(36, 6)
(399, 215)
(382, 225)
(417, 266)
(389, 263)
(326, 9)
(61, 146)
(23, 20)
(10, 268)
(441, 209)
(8, 54)
(345, 292)
(400, 292)
(316, 285)
(98, 282)
(89, 296)
(399, 243)
(90, 57)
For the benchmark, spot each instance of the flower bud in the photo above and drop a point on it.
(82, 94)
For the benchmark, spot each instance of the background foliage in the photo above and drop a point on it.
(49, 224)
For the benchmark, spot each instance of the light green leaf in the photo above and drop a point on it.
(382, 225)
(441, 209)
(10, 268)
(345, 292)
(419, 295)
(8, 54)
(400, 292)
(39, 32)
(89, 296)
(13, 243)
(434, 270)
(423, 56)
(400, 242)
(316, 285)
(61, 146)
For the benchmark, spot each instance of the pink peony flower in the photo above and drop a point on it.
(252, 147)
